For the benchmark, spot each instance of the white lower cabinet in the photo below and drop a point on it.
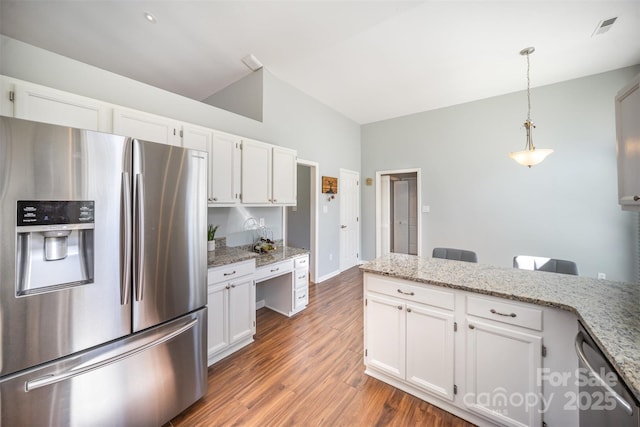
(485, 359)
(232, 309)
(502, 366)
(409, 340)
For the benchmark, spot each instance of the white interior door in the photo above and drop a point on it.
(348, 191)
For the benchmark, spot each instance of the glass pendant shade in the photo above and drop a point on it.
(530, 156)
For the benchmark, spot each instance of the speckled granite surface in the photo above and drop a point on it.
(224, 255)
(609, 310)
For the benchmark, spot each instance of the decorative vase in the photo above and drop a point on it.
(211, 245)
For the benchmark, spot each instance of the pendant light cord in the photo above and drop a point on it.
(528, 91)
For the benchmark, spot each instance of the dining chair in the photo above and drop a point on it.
(527, 262)
(455, 254)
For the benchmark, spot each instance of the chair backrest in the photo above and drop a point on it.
(455, 254)
(553, 265)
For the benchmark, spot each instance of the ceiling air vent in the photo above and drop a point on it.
(604, 26)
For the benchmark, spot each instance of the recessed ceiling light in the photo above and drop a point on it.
(150, 18)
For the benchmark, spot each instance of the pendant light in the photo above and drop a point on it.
(530, 156)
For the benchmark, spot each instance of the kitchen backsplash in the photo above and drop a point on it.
(241, 225)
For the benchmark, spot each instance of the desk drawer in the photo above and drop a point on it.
(301, 298)
(230, 271)
(274, 270)
(505, 312)
(301, 278)
(301, 262)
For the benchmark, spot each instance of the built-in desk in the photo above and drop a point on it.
(282, 280)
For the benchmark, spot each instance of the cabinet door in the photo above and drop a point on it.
(284, 176)
(502, 366)
(217, 318)
(628, 135)
(224, 161)
(196, 137)
(430, 340)
(242, 310)
(59, 108)
(256, 172)
(144, 126)
(385, 335)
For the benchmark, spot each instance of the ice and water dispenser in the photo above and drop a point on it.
(55, 245)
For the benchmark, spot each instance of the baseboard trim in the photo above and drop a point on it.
(328, 276)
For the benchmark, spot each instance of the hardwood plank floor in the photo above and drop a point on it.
(308, 370)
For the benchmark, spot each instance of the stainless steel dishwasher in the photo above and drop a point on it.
(603, 399)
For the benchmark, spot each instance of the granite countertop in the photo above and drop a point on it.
(224, 255)
(609, 310)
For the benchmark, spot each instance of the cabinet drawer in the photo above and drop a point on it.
(301, 298)
(403, 289)
(301, 262)
(230, 271)
(274, 270)
(505, 312)
(301, 278)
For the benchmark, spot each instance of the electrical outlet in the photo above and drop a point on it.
(330, 257)
(261, 222)
(602, 276)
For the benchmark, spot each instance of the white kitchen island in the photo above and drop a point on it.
(493, 345)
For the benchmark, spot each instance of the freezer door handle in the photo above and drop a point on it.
(139, 238)
(125, 239)
(92, 365)
(580, 341)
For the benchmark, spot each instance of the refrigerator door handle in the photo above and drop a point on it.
(139, 238)
(125, 239)
(89, 366)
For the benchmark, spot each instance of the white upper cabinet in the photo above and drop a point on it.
(196, 137)
(256, 172)
(224, 169)
(268, 174)
(628, 139)
(284, 171)
(41, 104)
(145, 126)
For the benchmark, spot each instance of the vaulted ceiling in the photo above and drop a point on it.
(370, 60)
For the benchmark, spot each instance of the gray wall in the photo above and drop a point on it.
(290, 118)
(481, 200)
(243, 97)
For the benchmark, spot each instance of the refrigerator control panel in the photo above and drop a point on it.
(50, 212)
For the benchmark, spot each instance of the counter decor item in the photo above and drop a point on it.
(211, 234)
(264, 245)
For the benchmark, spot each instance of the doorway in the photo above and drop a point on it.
(398, 219)
(301, 221)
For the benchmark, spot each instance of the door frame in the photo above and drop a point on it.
(349, 171)
(379, 174)
(314, 175)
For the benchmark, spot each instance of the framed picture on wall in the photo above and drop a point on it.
(329, 185)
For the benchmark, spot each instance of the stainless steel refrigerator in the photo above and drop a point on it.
(103, 277)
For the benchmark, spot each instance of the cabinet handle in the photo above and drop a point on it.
(275, 269)
(471, 327)
(301, 277)
(302, 297)
(636, 198)
(503, 314)
(227, 286)
(405, 293)
(210, 199)
(215, 199)
(302, 261)
(408, 310)
(233, 286)
(399, 307)
(230, 274)
(274, 201)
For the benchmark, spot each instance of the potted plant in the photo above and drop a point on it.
(211, 234)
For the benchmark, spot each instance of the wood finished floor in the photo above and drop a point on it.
(308, 371)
